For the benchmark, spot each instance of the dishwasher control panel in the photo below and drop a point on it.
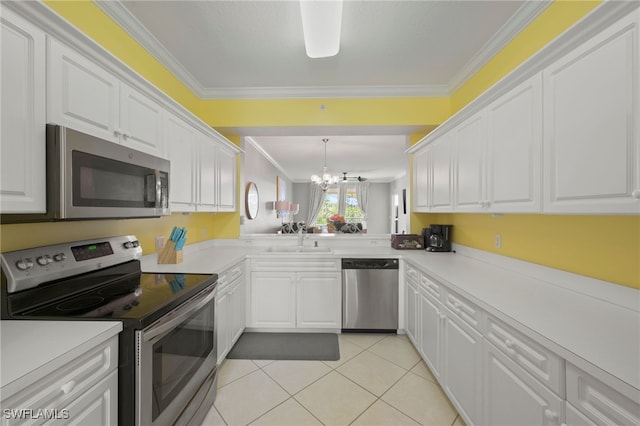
(376, 263)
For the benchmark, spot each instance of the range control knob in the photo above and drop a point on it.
(59, 257)
(44, 260)
(24, 264)
(131, 244)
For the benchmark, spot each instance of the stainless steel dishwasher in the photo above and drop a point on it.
(370, 295)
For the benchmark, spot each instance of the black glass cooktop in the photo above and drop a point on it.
(118, 293)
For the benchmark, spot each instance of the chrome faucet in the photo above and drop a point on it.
(300, 237)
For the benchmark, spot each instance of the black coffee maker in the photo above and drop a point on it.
(437, 238)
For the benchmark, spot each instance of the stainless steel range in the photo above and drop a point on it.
(167, 368)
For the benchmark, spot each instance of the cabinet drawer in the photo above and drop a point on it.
(599, 402)
(431, 287)
(467, 311)
(537, 360)
(412, 274)
(295, 265)
(69, 382)
(229, 276)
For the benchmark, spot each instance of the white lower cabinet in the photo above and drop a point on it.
(83, 391)
(411, 308)
(273, 300)
(462, 366)
(573, 417)
(513, 397)
(289, 299)
(97, 406)
(430, 331)
(600, 403)
(318, 300)
(230, 309)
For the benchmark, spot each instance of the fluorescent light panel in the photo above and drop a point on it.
(321, 24)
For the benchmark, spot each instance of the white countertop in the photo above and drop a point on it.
(27, 346)
(579, 327)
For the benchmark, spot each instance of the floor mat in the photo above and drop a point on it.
(287, 346)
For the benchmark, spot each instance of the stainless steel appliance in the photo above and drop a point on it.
(90, 178)
(370, 295)
(437, 238)
(167, 349)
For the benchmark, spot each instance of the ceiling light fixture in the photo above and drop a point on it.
(321, 24)
(326, 179)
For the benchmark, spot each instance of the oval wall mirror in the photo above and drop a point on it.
(252, 200)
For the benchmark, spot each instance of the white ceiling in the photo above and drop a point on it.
(255, 49)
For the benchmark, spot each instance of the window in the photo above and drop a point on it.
(352, 213)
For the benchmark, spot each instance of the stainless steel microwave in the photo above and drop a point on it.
(91, 178)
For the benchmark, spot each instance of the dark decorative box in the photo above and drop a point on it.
(407, 242)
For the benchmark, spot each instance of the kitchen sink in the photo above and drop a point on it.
(298, 249)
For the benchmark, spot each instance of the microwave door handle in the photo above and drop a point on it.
(158, 189)
(176, 317)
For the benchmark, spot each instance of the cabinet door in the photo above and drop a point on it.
(470, 167)
(411, 306)
(441, 175)
(515, 149)
(273, 300)
(223, 325)
(238, 303)
(420, 171)
(80, 94)
(319, 300)
(141, 120)
(227, 186)
(181, 140)
(462, 367)
(22, 138)
(430, 332)
(207, 174)
(97, 407)
(591, 125)
(513, 397)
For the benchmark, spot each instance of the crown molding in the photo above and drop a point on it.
(529, 11)
(408, 91)
(265, 154)
(125, 19)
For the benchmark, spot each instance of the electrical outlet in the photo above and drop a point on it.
(497, 241)
(159, 242)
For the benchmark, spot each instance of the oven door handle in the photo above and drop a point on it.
(177, 316)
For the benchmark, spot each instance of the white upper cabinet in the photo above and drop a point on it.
(441, 174)
(181, 152)
(226, 179)
(592, 125)
(88, 98)
(420, 181)
(207, 175)
(470, 164)
(514, 173)
(81, 94)
(141, 121)
(22, 143)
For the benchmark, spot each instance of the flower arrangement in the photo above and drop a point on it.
(337, 218)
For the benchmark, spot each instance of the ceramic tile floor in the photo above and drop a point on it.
(379, 380)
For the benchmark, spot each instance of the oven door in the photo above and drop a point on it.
(177, 355)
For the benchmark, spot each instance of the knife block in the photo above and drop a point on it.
(169, 254)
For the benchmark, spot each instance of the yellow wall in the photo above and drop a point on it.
(420, 112)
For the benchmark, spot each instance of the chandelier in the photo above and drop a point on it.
(326, 179)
